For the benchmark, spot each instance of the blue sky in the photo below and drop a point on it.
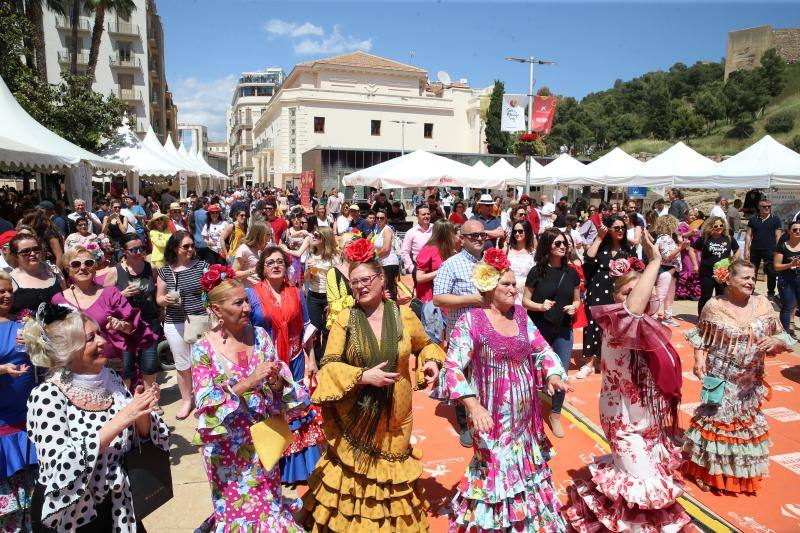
(209, 42)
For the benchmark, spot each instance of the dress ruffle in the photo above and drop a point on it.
(16, 453)
(629, 331)
(301, 456)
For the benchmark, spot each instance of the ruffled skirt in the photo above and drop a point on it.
(729, 452)
(301, 457)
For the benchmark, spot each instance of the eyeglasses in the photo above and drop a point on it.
(718, 226)
(187, 246)
(519, 231)
(137, 250)
(240, 215)
(86, 263)
(559, 244)
(275, 262)
(765, 206)
(30, 251)
(618, 228)
(477, 236)
(363, 282)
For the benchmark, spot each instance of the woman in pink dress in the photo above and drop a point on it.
(634, 488)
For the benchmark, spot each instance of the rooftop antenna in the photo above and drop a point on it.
(444, 77)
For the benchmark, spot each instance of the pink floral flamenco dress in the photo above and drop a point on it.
(508, 485)
(246, 497)
(634, 488)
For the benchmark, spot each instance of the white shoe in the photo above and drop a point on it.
(671, 322)
(585, 371)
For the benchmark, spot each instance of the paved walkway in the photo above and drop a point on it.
(444, 460)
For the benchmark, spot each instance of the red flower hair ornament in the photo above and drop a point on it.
(213, 276)
(360, 251)
(494, 257)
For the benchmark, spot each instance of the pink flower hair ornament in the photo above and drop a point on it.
(620, 267)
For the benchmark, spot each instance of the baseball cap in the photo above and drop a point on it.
(46, 204)
(6, 236)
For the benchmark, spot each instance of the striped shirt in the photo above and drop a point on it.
(190, 289)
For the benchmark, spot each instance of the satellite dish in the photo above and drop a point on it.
(444, 77)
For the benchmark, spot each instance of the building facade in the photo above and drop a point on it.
(218, 156)
(250, 98)
(359, 101)
(130, 62)
(194, 137)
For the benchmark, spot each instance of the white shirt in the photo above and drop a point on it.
(342, 223)
(132, 220)
(74, 216)
(213, 232)
(717, 211)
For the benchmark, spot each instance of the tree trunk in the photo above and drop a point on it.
(74, 20)
(36, 16)
(97, 34)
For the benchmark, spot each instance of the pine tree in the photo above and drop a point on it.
(497, 141)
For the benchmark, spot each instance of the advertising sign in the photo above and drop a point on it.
(306, 186)
(513, 115)
(544, 110)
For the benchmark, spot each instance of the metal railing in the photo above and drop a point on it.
(65, 56)
(65, 23)
(125, 28)
(129, 94)
(125, 62)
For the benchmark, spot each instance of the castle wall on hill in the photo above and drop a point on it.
(745, 47)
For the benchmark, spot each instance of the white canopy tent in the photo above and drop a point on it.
(15, 155)
(502, 169)
(614, 168)
(128, 149)
(518, 178)
(421, 169)
(677, 161)
(564, 166)
(761, 165)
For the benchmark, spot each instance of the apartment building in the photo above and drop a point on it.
(130, 62)
(253, 92)
(218, 156)
(365, 105)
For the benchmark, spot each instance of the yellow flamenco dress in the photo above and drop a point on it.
(367, 480)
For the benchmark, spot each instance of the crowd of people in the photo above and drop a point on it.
(296, 315)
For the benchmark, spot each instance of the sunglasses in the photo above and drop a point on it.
(316, 235)
(718, 226)
(187, 246)
(29, 251)
(559, 244)
(765, 207)
(618, 228)
(240, 215)
(795, 230)
(477, 236)
(87, 263)
(380, 218)
(116, 207)
(275, 262)
(137, 250)
(519, 231)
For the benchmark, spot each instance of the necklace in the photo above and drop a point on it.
(85, 388)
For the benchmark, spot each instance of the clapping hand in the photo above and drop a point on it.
(570, 309)
(769, 345)
(268, 371)
(376, 377)
(555, 383)
(602, 231)
(649, 247)
(145, 400)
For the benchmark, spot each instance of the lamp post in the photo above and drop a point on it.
(403, 124)
(531, 61)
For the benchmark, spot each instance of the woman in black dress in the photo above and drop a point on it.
(611, 243)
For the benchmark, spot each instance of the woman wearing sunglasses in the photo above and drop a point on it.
(715, 244)
(520, 252)
(178, 289)
(611, 243)
(787, 265)
(120, 324)
(35, 281)
(82, 236)
(136, 282)
(384, 244)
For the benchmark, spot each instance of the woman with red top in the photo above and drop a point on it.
(442, 244)
(579, 321)
(458, 217)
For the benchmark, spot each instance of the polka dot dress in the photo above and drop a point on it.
(600, 291)
(75, 475)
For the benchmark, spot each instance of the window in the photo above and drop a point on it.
(319, 124)
(428, 130)
(376, 127)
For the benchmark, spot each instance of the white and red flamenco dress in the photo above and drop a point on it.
(634, 488)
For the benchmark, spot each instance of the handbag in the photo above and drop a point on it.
(713, 390)
(149, 476)
(195, 325)
(271, 437)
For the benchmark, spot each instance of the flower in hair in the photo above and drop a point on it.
(213, 276)
(94, 249)
(485, 277)
(360, 251)
(722, 271)
(620, 267)
(495, 257)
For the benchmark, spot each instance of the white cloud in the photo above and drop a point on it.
(204, 102)
(315, 39)
(292, 29)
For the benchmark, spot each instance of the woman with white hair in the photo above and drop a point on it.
(82, 421)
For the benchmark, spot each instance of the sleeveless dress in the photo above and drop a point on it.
(600, 291)
(508, 485)
(29, 298)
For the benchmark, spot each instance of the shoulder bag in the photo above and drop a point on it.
(149, 476)
(194, 326)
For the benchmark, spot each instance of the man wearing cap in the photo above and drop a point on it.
(80, 212)
(5, 239)
(102, 210)
(50, 211)
(491, 225)
(176, 220)
(547, 215)
(533, 215)
(358, 223)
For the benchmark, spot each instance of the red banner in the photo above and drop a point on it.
(544, 110)
(306, 186)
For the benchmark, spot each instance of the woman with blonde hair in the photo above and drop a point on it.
(238, 381)
(323, 257)
(159, 235)
(670, 245)
(715, 244)
(83, 483)
(339, 292)
(259, 236)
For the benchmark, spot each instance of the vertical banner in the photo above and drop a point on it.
(544, 110)
(513, 114)
(306, 186)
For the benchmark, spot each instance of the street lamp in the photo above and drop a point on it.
(403, 124)
(531, 61)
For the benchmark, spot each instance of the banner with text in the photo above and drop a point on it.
(513, 117)
(306, 186)
(544, 110)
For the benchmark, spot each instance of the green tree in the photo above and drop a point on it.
(100, 7)
(544, 91)
(685, 122)
(34, 10)
(773, 69)
(498, 142)
(745, 93)
(658, 111)
(710, 105)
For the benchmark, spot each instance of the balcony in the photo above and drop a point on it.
(121, 62)
(262, 145)
(129, 95)
(65, 23)
(123, 28)
(65, 57)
